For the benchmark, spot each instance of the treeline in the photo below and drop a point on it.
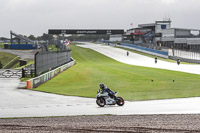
(71, 38)
(43, 37)
(88, 37)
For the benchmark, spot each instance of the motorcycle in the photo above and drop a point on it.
(103, 99)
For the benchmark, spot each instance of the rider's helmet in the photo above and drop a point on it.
(101, 85)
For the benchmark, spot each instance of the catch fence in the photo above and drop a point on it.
(46, 61)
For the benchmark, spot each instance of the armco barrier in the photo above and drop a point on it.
(184, 59)
(33, 83)
(145, 50)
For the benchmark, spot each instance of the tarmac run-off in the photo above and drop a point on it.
(27, 103)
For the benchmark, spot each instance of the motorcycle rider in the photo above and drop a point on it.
(156, 59)
(106, 89)
(178, 61)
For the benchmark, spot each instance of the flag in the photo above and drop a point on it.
(131, 24)
(67, 43)
(64, 42)
(54, 36)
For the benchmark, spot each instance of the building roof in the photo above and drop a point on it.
(134, 29)
(164, 21)
(147, 25)
(185, 29)
(4, 38)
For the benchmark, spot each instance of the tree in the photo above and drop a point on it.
(45, 37)
(88, 37)
(1, 65)
(32, 37)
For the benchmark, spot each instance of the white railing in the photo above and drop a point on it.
(34, 82)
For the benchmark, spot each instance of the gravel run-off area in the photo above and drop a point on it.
(105, 123)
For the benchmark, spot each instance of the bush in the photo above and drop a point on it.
(1, 65)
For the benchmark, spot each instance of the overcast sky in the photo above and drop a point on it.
(37, 16)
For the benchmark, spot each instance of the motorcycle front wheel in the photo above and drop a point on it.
(101, 102)
(120, 101)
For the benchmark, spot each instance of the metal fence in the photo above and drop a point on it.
(46, 61)
(25, 72)
(191, 55)
(10, 73)
(28, 71)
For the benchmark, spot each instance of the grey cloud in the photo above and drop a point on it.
(37, 16)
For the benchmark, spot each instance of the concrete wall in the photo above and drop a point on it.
(115, 38)
(184, 59)
(170, 38)
(35, 82)
(193, 41)
(158, 28)
(184, 54)
(189, 41)
(168, 33)
(180, 32)
(180, 40)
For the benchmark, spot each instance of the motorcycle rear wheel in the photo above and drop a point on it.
(101, 102)
(120, 101)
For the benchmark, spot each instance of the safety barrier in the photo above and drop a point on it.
(22, 46)
(184, 59)
(145, 50)
(44, 61)
(10, 73)
(35, 82)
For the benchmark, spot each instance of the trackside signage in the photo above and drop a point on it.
(35, 82)
(76, 31)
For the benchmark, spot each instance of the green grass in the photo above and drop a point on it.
(1, 45)
(6, 57)
(29, 62)
(52, 47)
(132, 82)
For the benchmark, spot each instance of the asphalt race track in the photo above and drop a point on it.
(140, 60)
(16, 102)
(24, 54)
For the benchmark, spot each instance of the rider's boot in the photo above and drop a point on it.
(114, 97)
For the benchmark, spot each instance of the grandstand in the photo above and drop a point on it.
(22, 42)
(161, 36)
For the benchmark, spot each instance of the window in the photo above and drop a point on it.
(163, 26)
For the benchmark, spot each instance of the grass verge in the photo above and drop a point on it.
(132, 82)
(6, 57)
